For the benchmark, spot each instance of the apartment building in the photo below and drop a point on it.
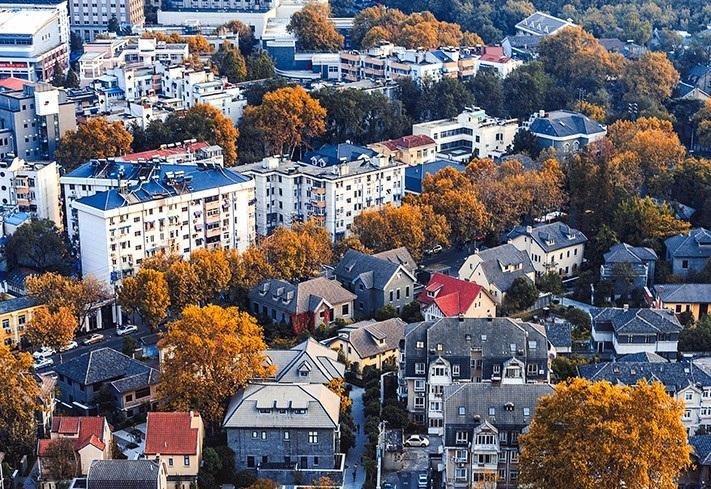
(332, 186)
(31, 187)
(440, 353)
(414, 150)
(14, 316)
(91, 17)
(552, 247)
(32, 120)
(34, 40)
(172, 208)
(472, 133)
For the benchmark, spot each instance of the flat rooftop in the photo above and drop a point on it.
(21, 21)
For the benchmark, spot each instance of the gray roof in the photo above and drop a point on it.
(560, 334)
(369, 338)
(565, 123)
(643, 356)
(321, 407)
(372, 271)
(123, 474)
(399, 256)
(542, 24)
(507, 400)
(522, 41)
(701, 447)
(695, 244)
(684, 293)
(497, 258)
(674, 375)
(134, 382)
(321, 362)
(302, 297)
(624, 253)
(17, 304)
(101, 365)
(634, 320)
(551, 237)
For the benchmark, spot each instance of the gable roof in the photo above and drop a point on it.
(86, 430)
(101, 365)
(565, 123)
(451, 295)
(695, 244)
(399, 256)
(496, 259)
(559, 333)
(684, 293)
(124, 474)
(369, 338)
(322, 361)
(302, 297)
(674, 375)
(542, 24)
(634, 320)
(415, 174)
(624, 253)
(550, 237)
(408, 142)
(701, 447)
(171, 434)
(372, 271)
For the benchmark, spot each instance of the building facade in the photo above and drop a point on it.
(688, 253)
(88, 19)
(554, 247)
(15, 314)
(564, 130)
(31, 187)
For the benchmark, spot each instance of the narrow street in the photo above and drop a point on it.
(354, 455)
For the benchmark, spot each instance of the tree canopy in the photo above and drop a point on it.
(313, 28)
(38, 244)
(93, 138)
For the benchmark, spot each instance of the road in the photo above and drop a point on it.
(355, 454)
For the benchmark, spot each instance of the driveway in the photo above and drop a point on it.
(353, 459)
(580, 305)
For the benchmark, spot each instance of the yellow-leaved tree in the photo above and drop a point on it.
(146, 294)
(209, 353)
(51, 329)
(338, 385)
(597, 435)
(94, 138)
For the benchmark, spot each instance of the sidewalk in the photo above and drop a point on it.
(355, 453)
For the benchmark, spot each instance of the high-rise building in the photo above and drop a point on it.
(31, 187)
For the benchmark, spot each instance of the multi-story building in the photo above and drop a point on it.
(446, 297)
(471, 134)
(482, 423)
(448, 351)
(628, 267)
(564, 130)
(541, 24)
(34, 41)
(413, 150)
(33, 119)
(689, 252)
(332, 186)
(308, 362)
(88, 19)
(172, 208)
(621, 331)
(694, 299)
(31, 187)
(286, 432)
(15, 314)
(553, 247)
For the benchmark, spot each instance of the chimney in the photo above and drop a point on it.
(460, 317)
(625, 307)
(529, 229)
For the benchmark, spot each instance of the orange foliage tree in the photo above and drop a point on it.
(94, 138)
(314, 29)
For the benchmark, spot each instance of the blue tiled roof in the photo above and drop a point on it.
(675, 376)
(415, 174)
(564, 123)
(333, 154)
(17, 304)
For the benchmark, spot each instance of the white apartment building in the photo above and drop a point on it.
(89, 18)
(173, 208)
(31, 187)
(471, 134)
(331, 188)
(553, 247)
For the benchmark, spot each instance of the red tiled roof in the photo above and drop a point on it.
(170, 434)
(88, 430)
(408, 142)
(455, 296)
(494, 54)
(13, 83)
(164, 153)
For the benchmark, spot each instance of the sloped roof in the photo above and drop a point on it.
(695, 244)
(302, 297)
(643, 356)
(137, 381)
(370, 338)
(171, 434)
(372, 271)
(124, 474)
(565, 123)
(452, 295)
(635, 320)
(701, 447)
(542, 24)
(408, 142)
(674, 375)
(496, 259)
(399, 256)
(320, 403)
(560, 333)
(87, 430)
(684, 293)
(551, 237)
(624, 253)
(415, 174)
(18, 304)
(333, 154)
(323, 363)
(101, 365)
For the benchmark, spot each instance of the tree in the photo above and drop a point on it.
(230, 63)
(386, 312)
(58, 75)
(247, 269)
(696, 337)
(349, 242)
(39, 245)
(550, 282)
(299, 252)
(18, 404)
(288, 118)
(244, 33)
(324, 482)
(147, 294)
(526, 142)
(60, 460)
(264, 484)
(521, 295)
(183, 285)
(651, 75)
(210, 353)
(412, 312)
(488, 92)
(71, 80)
(444, 99)
(198, 45)
(594, 111)
(205, 123)
(703, 124)
(641, 221)
(94, 138)
(338, 386)
(313, 28)
(113, 25)
(213, 273)
(602, 435)
(260, 66)
(526, 90)
(51, 329)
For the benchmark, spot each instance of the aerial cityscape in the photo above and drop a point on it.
(357, 244)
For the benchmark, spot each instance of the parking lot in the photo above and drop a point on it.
(414, 462)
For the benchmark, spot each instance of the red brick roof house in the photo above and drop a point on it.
(446, 296)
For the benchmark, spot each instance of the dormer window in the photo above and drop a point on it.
(440, 347)
(420, 344)
(264, 411)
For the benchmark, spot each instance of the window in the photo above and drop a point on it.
(419, 368)
(688, 396)
(502, 437)
(170, 461)
(420, 344)
(344, 309)
(419, 385)
(455, 370)
(255, 434)
(497, 368)
(685, 264)
(186, 460)
(419, 403)
(460, 474)
(687, 414)
(250, 461)
(532, 344)
(462, 437)
(526, 411)
(286, 435)
(313, 436)
(462, 410)
(492, 411)
(485, 439)
(264, 435)
(514, 456)
(460, 455)
(532, 368)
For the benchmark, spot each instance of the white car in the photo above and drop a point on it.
(43, 352)
(70, 346)
(126, 329)
(95, 338)
(434, 250)
(422, 480)
(417, 441)
(43, 362)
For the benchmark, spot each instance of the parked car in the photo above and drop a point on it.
(434, 250)
(422, 480)
(43, 353)
(94, 338)
(417, 441)
(70, 346)
(126, 329)
(43, 362)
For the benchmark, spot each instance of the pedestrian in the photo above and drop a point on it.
(355, 469)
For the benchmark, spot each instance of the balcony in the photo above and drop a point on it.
(318, 203)
(318, 190)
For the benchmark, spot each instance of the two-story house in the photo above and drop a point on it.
(496, 268)
(552, 247)
(689, 252)
(308, 362)
(692, 298)
(437, 354)
(286, 432)
(620, 331)
(303, 306)
(446, 297)
(688, 381)
(564, 130)
(90, 435)
(628, 267)
(131, 384)
(482, 423)
(376, 280)
(176, 439)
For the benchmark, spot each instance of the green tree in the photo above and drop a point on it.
(641, 221)
(696, 337)
(527, 90)
(386, 312)
(526, 142)
(58, 79)
(488, 91)
(444, 99)
(39, 245)
(113, 24)
(521, 295)
(260, 66)
(550, 282)
(230, 63)
(412, 312)
(72, 80)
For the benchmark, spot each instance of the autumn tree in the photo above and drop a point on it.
(230, 63)
(247, 269)
(198, 44)
(338, 385)
(349, 242)
(37, 244)
(299, 252)
(147, 294)
(703, 124)
(313, 28)
(288, 118)
(594, 111)
(60, 459)
(183, 284)
(210, 353)
(651, 75)
(641, 221)
(213, 273)
(589, 435)
(95, 137)
(51, 329)
(18, 403)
